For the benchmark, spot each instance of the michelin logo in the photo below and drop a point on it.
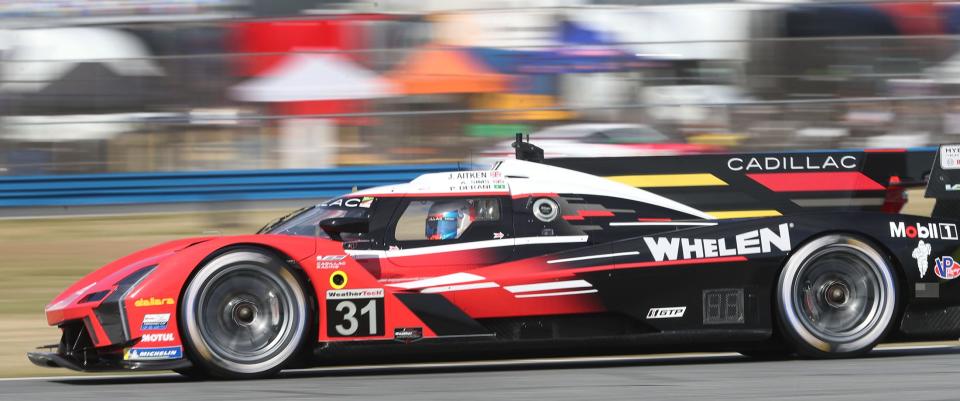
(764, 240)
(153, 354)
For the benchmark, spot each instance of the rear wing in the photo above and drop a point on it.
(773, 184)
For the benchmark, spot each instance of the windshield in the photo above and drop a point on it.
(306, 221)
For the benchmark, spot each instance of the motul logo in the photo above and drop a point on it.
(946, 231)
(763, 240)
(156, 337)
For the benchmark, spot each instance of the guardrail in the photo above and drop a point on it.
(205, 186)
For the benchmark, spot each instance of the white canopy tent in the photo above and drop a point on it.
(34, 58)
(307, 77)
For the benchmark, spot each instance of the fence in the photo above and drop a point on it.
(208, 186)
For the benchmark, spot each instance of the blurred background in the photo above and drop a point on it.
(124, 124)
(97, 86)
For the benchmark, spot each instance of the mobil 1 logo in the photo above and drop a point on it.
(355, 312)
(945, 231)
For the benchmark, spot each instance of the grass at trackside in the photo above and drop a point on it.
(41, 257)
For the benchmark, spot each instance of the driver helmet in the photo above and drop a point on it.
(449, 219)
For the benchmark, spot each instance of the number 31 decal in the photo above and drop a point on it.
(355, 313)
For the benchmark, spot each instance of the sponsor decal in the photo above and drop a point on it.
(156, 337)
(498, 235)
(153, 354)
(946, 268)
(355, 313)
(408, 333)
(157, 321)
(672, 312)
(362, 202)
(331, 261)
(950, 157)
(472, 181)
(922, 254)
(764, 240)
(899, 229)
(952, 187)
(338, 279)
(153, 302)
(361, 293)
(792, 163)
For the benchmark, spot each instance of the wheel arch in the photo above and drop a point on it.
(298, 270)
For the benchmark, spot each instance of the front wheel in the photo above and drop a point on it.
(244, 315)
(836, 297)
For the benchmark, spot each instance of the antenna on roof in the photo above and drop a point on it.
(526, 150)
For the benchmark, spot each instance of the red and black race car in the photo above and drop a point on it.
(803, 250)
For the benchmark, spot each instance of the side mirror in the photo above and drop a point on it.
(338, 225)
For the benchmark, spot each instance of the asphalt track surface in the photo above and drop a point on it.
(919, 373)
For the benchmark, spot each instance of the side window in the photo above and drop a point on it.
(444, 219)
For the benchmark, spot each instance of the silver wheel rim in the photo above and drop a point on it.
(244, 314)
(244, 317)
(837, 293)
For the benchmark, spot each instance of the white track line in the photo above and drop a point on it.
(506, 362)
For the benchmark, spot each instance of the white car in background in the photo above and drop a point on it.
(597, 140)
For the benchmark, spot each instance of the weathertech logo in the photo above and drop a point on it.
(666, 313)
(946, 231)
(763, 240)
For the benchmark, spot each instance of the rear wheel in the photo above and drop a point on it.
(836, 297)
(244, 315)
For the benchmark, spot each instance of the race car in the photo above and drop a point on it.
(530, 250)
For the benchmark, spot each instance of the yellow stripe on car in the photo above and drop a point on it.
(739, 214)
(669, 180)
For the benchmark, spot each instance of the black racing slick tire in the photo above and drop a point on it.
(244, 315)
(836, 297)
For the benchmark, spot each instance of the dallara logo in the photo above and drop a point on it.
(763, 240)
(153, 302)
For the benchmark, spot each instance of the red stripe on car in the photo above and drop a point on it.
(595, 213)
(824, 181)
